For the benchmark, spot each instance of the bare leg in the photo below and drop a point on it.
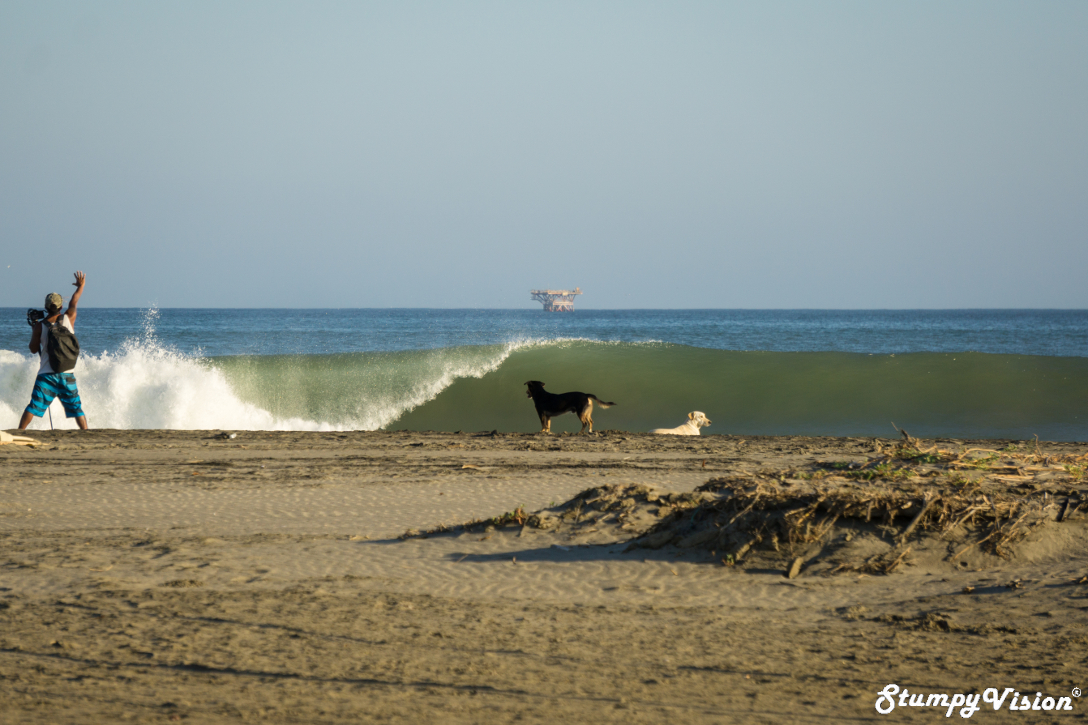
(81, 421)
(25, 420)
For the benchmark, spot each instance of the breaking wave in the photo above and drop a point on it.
(146, 385)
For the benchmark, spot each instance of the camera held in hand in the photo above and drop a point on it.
(34, 316)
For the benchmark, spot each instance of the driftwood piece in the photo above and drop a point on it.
(9, 439)
(895, 562)
(1061, 514)
(795, 568)
(926, 501)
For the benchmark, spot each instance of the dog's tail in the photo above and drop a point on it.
(599, 401)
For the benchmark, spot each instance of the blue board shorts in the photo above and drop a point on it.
(55, 385)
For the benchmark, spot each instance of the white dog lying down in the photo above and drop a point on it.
(696, 420)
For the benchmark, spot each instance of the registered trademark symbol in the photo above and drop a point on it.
(1076, 692)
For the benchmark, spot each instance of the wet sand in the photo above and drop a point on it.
(157, 576)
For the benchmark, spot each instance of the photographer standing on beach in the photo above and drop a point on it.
(58, 352)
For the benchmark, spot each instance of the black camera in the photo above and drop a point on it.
(34, 316)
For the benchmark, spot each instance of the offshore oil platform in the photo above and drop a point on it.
(556, 300)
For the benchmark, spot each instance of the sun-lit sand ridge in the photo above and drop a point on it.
(330, 577)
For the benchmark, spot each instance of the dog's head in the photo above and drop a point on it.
(534, 387)
(698, 418)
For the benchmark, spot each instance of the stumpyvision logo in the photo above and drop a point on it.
(893, 696)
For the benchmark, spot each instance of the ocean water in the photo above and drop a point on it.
(960, 373)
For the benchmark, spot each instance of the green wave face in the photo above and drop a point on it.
(963, 395)
(956, 395)
(361, 391)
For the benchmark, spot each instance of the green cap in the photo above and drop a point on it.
(53, 301)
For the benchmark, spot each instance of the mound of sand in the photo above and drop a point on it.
(907, 505)
(624, 509)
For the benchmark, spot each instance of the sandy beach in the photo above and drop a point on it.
(208, 576)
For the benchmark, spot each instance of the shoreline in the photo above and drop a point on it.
(154, 574)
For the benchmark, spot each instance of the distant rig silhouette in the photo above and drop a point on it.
(556, 300)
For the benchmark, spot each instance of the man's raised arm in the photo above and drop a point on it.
(81, 280)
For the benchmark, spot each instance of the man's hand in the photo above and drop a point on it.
(81, 279)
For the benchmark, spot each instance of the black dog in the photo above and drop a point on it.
(549, 404)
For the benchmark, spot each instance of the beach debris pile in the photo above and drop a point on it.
(865, 516)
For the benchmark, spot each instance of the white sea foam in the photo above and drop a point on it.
(140, 387)
(145, 385)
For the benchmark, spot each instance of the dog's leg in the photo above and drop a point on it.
(587, 416)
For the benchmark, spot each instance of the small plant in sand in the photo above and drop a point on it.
(916, 456)
(958, 480)
(516, 517)
(982, 462)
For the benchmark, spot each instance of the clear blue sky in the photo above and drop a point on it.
(758, 155)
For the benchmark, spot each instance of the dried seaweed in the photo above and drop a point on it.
(752, 511)
(976, 497)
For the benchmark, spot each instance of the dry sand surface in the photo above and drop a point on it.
(157, 576)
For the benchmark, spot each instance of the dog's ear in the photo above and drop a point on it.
(691, 416)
